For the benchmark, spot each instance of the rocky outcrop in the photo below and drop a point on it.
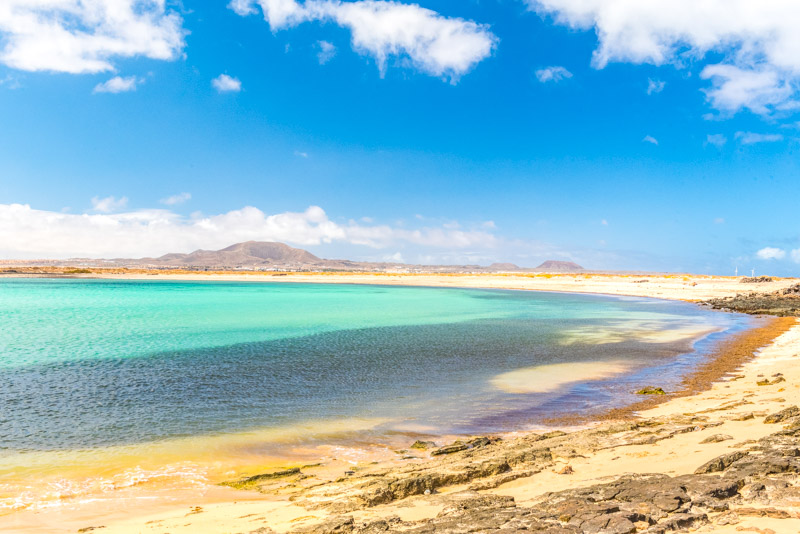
(782, 303)
(736, 484)
(757, 476)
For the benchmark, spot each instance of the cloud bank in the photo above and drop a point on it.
(27, 233)
(758, 41)
(86, 36)
(385, 30)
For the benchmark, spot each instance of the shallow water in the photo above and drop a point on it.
(97, 369)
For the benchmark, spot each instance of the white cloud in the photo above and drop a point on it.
(758, 89)
(418, 37)
(86, 36)
(750, 138)
(718, 140)
(796, 255)
(771, 253)
(118, 84)
(326, 52)
(108, 204)
(758, 42)
(650, 139)
(394, 258)
(29, 233)
(226, 84)
(301, 154)
(655, 86)
(243, 7)
(174, 200)
(604, 222)
(552, 74)
(719, 220)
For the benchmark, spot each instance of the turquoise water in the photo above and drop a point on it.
(93, 363)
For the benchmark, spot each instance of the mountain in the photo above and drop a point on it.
(503, 267)
(559, 266)
(271, 256)
(251, 253)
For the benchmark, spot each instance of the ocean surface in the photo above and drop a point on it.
(92, 366)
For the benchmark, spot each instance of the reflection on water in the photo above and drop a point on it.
(549, 378)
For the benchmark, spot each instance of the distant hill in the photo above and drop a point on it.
(251, 253)
(503, 267)
(272, 256)
(559, 266)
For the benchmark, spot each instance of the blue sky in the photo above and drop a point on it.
(440, 132)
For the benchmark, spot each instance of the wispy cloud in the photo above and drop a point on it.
(86, 37)
(655, 86)
(771, 253)
(415, 36)
(717, 140)
(118, 84)
(796, 255)
(552, 74)
(108, 204)
(326, 52)
(650, 139)
(751, 138)
(226, 84)
(301, 154)
(174, 200)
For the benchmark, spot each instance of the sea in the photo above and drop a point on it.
(108, 384)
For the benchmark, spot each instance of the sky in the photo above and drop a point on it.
(620, 134)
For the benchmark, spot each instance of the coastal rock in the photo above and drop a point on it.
(716, 438)
(765, 477)
(783, 415)
(768, 382)
(720, 463)
(257, 480)
(782, 303)
(423, 445)
(457, 446)
(650, 390)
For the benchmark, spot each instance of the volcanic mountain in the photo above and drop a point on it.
(250, 253)
(559, 266)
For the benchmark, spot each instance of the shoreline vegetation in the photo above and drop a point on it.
(719, 454)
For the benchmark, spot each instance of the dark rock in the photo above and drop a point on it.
(254, 481)
(336, 525)
(716, 438)
(458, 446)
(423, 445)
(650, 390)
(720, 463)
(783, 415)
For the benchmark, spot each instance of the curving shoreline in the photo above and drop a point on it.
(531, 473)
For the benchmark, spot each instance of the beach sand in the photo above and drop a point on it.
(724, 404)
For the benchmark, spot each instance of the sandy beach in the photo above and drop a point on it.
(474, 482)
